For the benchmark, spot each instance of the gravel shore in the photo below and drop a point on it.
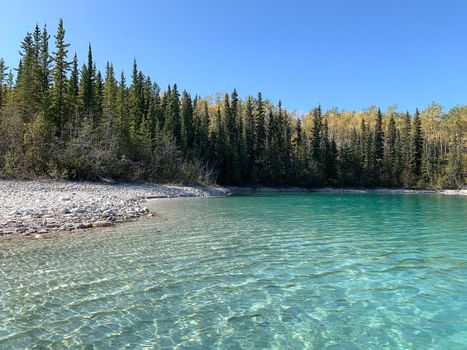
(38, 207)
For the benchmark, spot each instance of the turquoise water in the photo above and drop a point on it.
(284, 271)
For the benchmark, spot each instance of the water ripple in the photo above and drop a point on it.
(302, 271)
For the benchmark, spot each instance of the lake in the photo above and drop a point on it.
(280, 271)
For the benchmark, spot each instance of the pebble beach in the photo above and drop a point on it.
(34, 208)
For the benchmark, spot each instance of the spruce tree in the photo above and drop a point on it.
(136, 102)
(87, 86)
(123, 115)
(98, 100)
(187, 122)
(363, 142)
(227, 123)
(235, 126)
(109, 103)
(332, 162)
(172, 114)
(249, 136)
(284, 143)
(72, 96)
(25, 90)
(37, 75)
(316, 134)
(235, 121)
(59, 76)
(45, 62)
(406, 148)
(260, 133)
(217, 140)
(378, 144)
(417, 144)
(204, 131)
(390, 165)
(273, 156)
(324, 149)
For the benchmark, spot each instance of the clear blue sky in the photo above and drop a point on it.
(344, 53)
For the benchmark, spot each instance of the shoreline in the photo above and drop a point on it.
(39, 207)
(240, 189)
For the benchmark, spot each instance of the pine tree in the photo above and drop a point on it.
(332, 162)
(217, 139)
(249, 137)
(204, 131)
(301, 152)
(371, 169)
(72, 97)
(324, 149)
(59, 76)
(235, 120)
(109, 103)
(260, 133)
(273, 149)
(378, 144)
(406, 148)
(135, 101)
(154, 110)
(45, 61)
(187, 122)
(87, 87)
(122, 115)
(390, 165)
(227, 124)
(172, 114)
(316, 134)
(363, 143)
(417, 145)
(235, 124)
(37, 74)
(98, 100)
(158, 110)
(284, 144)
(25, 92)
(430, 164)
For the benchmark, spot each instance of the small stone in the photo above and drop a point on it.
(102, 224)
(37, 236)
(108, 212)
(52, 225)
(82, 225)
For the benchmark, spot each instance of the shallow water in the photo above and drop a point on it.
(285, 271)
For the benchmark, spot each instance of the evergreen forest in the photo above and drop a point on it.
(60, 118)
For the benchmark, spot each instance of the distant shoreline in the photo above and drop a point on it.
(240, 189)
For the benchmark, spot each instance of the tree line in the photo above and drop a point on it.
(60, 119)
